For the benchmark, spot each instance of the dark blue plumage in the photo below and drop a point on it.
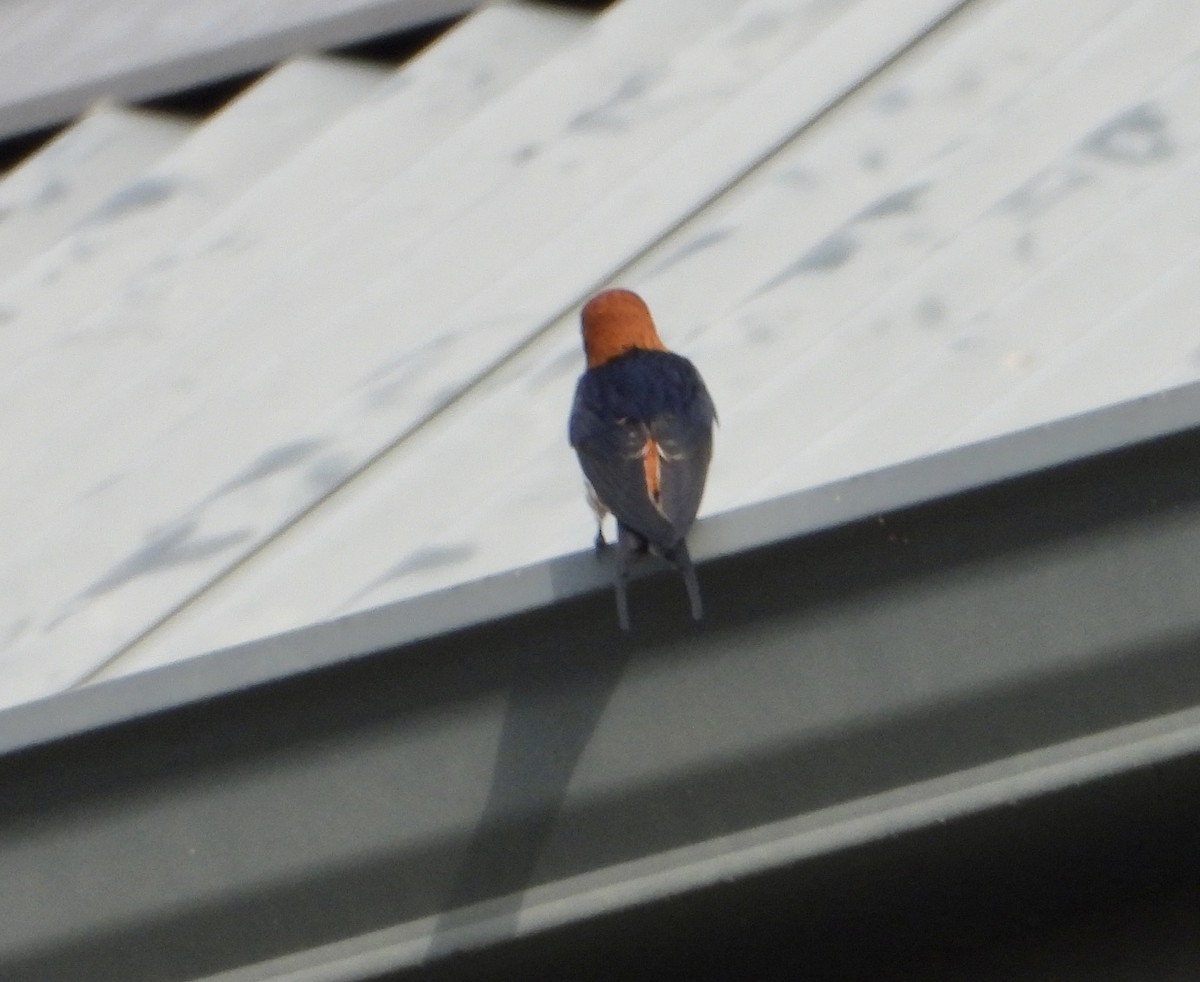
(641, 424)
(618, 405)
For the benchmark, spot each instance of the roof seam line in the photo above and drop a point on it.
(454, 397)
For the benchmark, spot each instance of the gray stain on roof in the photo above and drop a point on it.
(418, 561)
(893, 99)
(392, 380)
(280, 458)
(1137, 136)
(902, 202)
(837, 248)
(1046, 189)
(428, 557)
(931, 311)
(146, 193)
(175, 546)
(329, 471)
(694, 245)
(607, 115)
(830, 253)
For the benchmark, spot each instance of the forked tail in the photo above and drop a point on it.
(629, 546)
(683, 562)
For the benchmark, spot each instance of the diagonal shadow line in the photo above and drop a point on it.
(553, 710)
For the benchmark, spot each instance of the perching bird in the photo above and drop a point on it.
(642, 426)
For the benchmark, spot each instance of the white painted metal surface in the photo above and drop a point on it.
(66, 293)
(879, 229)
(57, 57)
(68, 177)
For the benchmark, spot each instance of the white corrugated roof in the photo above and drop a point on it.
(58, 56)
(319, 356)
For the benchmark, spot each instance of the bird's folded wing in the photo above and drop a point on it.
(611, 453)
(684, 448)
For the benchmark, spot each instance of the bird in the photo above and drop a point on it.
(641, 424)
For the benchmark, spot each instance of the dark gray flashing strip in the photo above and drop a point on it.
(894, 670)
(492, 939)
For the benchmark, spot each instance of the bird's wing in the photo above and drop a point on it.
(684, 445)
(642, 427)
(612, 454)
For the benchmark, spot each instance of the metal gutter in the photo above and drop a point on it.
(495, 775)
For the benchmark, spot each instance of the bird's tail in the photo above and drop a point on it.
(682, 560)
(631, 545)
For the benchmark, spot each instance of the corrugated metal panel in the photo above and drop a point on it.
(857, 300)
(153, 343)
(70, 290)
(59, 56)
(947, 305)
(879, 229)
(328, 330)
(71, 175)
(67, 340)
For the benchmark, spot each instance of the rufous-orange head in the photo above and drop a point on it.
(614, 322)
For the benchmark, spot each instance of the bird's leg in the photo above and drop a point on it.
(682, 560)
(628, 545)
(599, 511)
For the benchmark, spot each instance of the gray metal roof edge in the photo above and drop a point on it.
(790, 516)
(891, 814)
